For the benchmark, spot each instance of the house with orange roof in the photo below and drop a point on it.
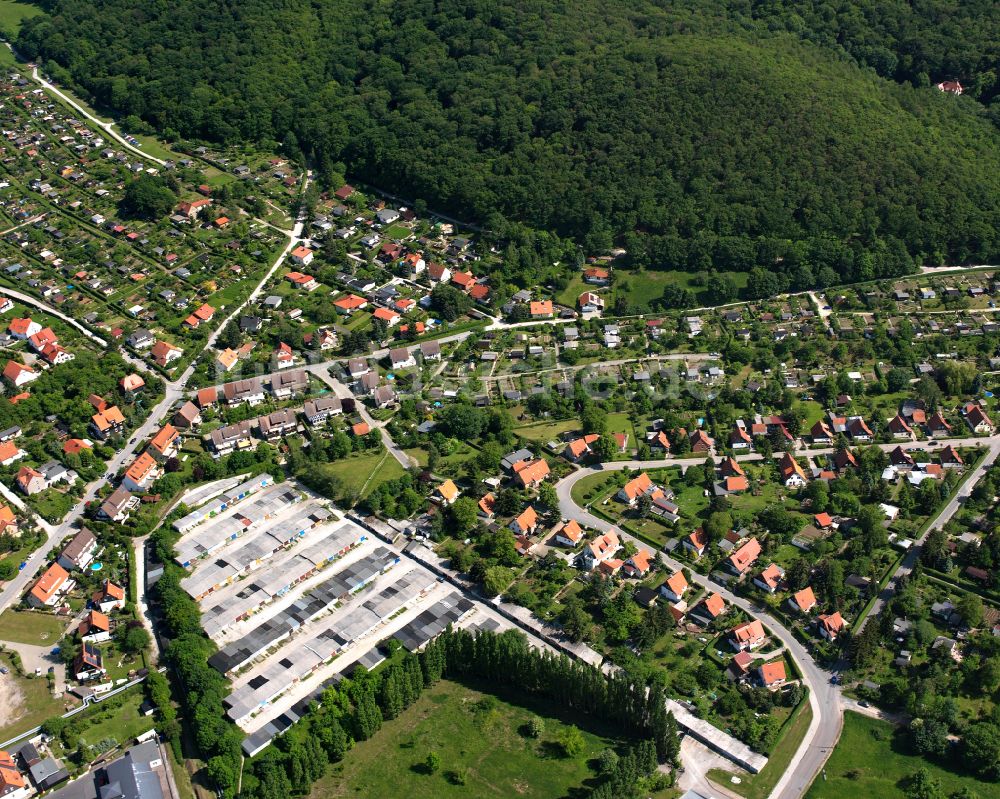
(843, 459)
(390, 318)
(821, 433)
(479, 292)
(12, 782)
(978, 421)
(533, 473)
(568, 534)
(792, 474)
(414, 263)
(23, 329)
(30, 481)
(950, 458)
(526, 522)
(660, 441)
(302, 255)
(10, 453)
(579, 447)
(207, 397)
(17, 374)
(109, 597)
(8, 521)
(770, 579)
(601, 549)
(590, 303)
(899, 427)
(638, 486)
(95, 627)
(165, 443)
(131, 383)
(735, 484)
(107, 422)
(771, 674)
(709, 609)
(596, 276)
(227, 359)
(42, 338)
(302, 281)
(831, 625)
(49, 587)
(744, 557)
(700, 441)
(639, 564)
(803, 601)
(349, 304)
(141, 474)
(463, 280)
(487, 506)
(541, 309)
(191, 209)
(696, 542)
(361, 429)
(730, 467)
(203, 314)
(164, 353)
(938, 425)
(823, 521)
(675, 587)
(447, 492)
(747, 636)
(54, 354)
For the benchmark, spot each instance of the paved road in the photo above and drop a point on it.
(107, 127)
(943, 517)
(27, 299)
(825, 699)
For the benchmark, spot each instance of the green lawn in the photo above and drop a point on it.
(30, 627)
(34, 701)
(355, 470)
(646, 288)
(759, 786)
(872, 760)
(546, 431)
(120, 723)
(487, 747)
(587, 485)
(12, 13)
(576, 286)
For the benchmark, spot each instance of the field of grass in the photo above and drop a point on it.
(546, 431)
(487, 747)
(759, 786)
(120, 723)
(646, 288)
(36, 703)
(586, 485)
(872, 760)
(12, 13)
(354, 472)
(569, 295)
(30, 627)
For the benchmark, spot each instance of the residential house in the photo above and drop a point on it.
(700, 441)
(978, 421)
(533, 473)
(18, 374)
(831, 625)
(107, 422)
(950, 459)
(541, 309)
(23, 329)
(188, 416)
(770, 579)
(447, 492)
(302, 281)
(164, 353)
(109, 597)
(696, 542)
(318, 411)
(233, 437)
(601, 549)
(637, 487)
(49, 587)
(249, 390)
(744, 557)
(747, 636)
(165, 443)
(30, 481)
(579, 447)
(803, 601)
(274, 426)
(10, 453)
(639, 564)
(568, 534)
(302, 256)
(771, 674)
(141, 339)
(287, 384)
(143, 472)
(526, 522)
(401, 358)
(590, 303)
(430, 350)
(487, 506)
(709, 609)
(675, 587)
(118, 506)
(89, 664)
(792, 474)
(79, 552)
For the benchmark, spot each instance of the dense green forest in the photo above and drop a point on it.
(804, 138)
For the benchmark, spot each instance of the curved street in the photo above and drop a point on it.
(825, 699)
